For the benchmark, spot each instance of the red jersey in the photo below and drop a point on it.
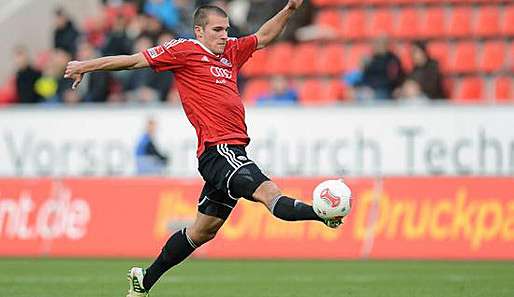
(207, 84)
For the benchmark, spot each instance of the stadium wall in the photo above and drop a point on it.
(394, 217)
(346, 140)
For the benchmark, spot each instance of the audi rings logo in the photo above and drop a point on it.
(221, 72)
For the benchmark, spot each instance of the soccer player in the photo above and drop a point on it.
(206, 70)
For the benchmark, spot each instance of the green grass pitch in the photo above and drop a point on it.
(105, 277)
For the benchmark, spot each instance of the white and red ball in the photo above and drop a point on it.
(331, 199)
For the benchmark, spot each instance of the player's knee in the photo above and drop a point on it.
(266, 192)
(245, 181)
(203, 235)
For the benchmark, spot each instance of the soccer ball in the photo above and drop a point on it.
(331, 199)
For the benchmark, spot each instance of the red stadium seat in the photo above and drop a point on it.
(257, 64)
(254, 89)
(512, 56)
(404, 52)
(335, 90)
(279, 59)
(460, 22)
(379, 2)
(311, 92)
(317, 92)
(408, 24)
(381, 23)
(440, 52)
(354, 24)
(349, 2)
(330, 18)
(503, 88)
(488, 22)
(331, 60)
(321, 3)
(8, 92)
(493, 56)
(356, 55)
(464, 59)
(434, 24)
(469, 90)
(304, 59)
(508, 21)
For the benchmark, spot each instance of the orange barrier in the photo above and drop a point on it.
(433, 218)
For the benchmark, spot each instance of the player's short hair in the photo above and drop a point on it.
(202, 13)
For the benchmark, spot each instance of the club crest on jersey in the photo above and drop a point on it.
(154, 52)
(226, 62)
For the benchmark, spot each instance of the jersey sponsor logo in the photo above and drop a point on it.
(226, 62)
(174, 42)
(219, 72)
(154, 52)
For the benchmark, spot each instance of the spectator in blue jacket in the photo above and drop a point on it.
(149, 161)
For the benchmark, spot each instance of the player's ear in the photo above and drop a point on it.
(199, 31)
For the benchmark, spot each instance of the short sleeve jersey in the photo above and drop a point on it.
(207, 85)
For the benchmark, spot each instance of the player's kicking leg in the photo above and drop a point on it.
(178, 247)
(289, 209)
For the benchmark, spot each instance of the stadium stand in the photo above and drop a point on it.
(331, 60)
(381, 22)
(408, 24)
(354, 25)
(434, 23)
(493, 57)
(470, 39)
(470, 90)
(503, 88)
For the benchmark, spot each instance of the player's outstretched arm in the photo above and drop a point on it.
(273, 27)
(76, 69)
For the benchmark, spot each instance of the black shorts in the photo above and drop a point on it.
(228, 175)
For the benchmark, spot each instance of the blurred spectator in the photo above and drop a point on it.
(383, 73)
(184, 28)
(153, 29)
(260, 11)
(426, 72)
(59, 61)
(280, 94)
(95, 85)
(164, 10)
(65, 33)
(164, 81)
(301, 18)
(144, 85)
(52, 85)
(95, 30)
(117, 41)
(149, 160)
(233, 30)
(26, 77)
(411, 92)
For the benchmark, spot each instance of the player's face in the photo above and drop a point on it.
(215, 34)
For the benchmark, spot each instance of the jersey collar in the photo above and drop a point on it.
(204, 47)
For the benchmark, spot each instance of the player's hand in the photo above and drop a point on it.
(73, 71)
(294, 4)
